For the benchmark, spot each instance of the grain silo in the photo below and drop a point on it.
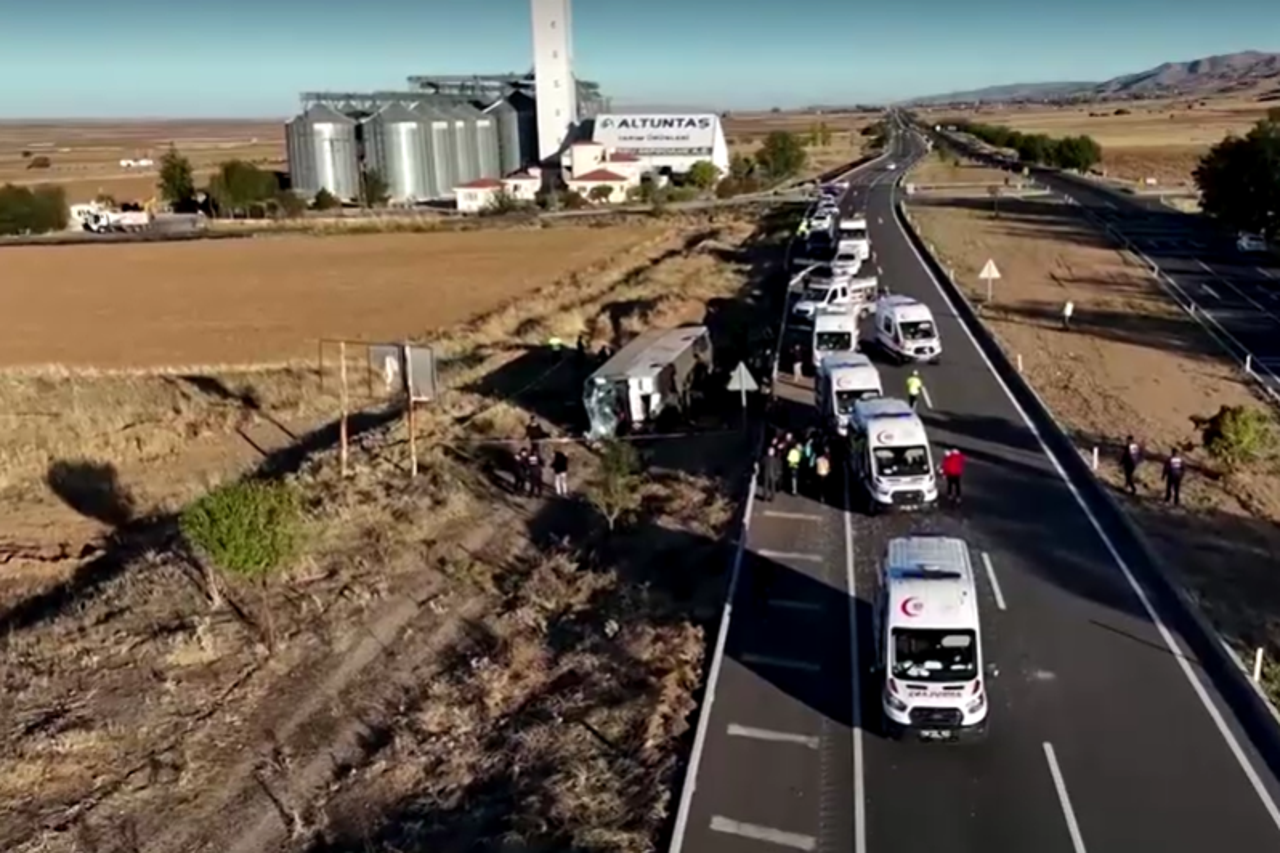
(466, 146)
(396, 146)
(323, 153)
(441, 148)
(487, 149)
(507, 121)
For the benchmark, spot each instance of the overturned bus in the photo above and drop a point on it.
(654, 374)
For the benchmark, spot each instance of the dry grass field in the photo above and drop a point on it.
(1154, 139)
(1133, 364)
(746, 131)
(269, 299)
(444, 662)
(85, 156)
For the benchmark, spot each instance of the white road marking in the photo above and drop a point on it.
(991, 576)
(736, 730)
(859, 794)
(1077, 842)
(1233, 744)
(928, 401)
(1265, 273)
(790, 555)
(790, 604)
(781, 663)
(795, 516)
(763, 833)
(1209, 290)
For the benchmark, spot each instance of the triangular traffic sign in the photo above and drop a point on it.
(989, 272)
(741, 379)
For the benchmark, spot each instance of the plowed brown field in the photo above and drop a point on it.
(264, 300)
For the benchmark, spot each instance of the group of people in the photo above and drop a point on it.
(529, 465)
(1172, 473)
(794, 462)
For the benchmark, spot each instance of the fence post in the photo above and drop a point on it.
(342, 422)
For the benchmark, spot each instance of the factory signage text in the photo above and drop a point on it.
(650, 135)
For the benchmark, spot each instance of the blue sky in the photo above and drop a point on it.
(121, 58)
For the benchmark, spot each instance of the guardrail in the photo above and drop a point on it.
(1253, 709)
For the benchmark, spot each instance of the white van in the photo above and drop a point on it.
(889, 455)
(822, 293)
(906, 329)
(851, 235)
(843, 380)
(835, 332)
(929, 641)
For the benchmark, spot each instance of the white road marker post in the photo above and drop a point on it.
(1257, 666)
(1248, 363)
(1019, 362)
(1095, 459)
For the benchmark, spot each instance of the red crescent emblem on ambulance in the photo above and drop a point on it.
(912, 607)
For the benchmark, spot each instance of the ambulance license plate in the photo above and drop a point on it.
(935, 734)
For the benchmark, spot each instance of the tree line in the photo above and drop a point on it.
(1239, 179)
(1068, 152)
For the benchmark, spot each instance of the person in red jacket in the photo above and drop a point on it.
(952, 471)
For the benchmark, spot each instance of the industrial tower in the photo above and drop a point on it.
(556, 90)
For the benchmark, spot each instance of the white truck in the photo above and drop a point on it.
(101, 219)
(842, 380)
(851, 235)
(905, 329)
(830, 289)
(928, 641)
(889, 455)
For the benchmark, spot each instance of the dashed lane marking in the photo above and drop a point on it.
(790, 555)
(807, 741)
(794, 516)
(794, 840)
(781, 663)
(1068, 813)
(991, 576)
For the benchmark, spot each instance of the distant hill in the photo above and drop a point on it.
(1242, 72)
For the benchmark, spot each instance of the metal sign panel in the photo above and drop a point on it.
(420, 373)
(742, 380)
(658, 135)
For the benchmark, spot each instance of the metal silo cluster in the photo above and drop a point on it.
(421, 146)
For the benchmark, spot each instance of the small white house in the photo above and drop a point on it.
(475, 196)
(617, 184)
(524, 186)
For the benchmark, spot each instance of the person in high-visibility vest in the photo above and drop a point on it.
(803, 229)
(915, 385)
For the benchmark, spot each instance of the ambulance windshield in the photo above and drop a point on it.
(901, 461)
(930, 655)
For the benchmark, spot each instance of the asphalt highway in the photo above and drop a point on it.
(1103, 735)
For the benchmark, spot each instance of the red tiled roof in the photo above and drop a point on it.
(600, 176)
(481, 184)
(623, 157)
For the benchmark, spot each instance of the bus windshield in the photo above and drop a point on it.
(931, 655)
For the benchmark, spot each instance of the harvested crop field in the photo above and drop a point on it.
(267, 300)
(745, 132)
(1133, 364)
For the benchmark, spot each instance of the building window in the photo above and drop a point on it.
(555, 54)
(557, 84)
(553, 24)
(557, 114)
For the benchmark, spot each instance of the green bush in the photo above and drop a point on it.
(1237, 435)
(32, 211)
(249, 528)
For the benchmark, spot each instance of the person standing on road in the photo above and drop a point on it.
(1067, 310)
(536, 483)
(952, 472)
(794, 457)
(915, 386)
(822, 475)
(797, 362)
(1174, 468)
(771, 473)
(560, 473)
(1129, 464)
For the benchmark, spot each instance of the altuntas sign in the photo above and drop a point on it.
(687, 135)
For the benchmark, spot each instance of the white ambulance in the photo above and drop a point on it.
(843, 380)
(835, 332)
(905, 329)
(928, 662)
(852, 236)
(889, 455)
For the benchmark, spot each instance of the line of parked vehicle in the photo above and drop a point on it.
(888, 450)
